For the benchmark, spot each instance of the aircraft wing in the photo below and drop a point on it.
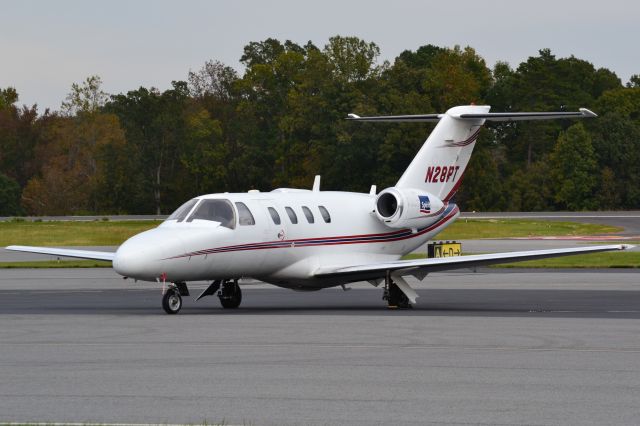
(424, 266)
(80, 254)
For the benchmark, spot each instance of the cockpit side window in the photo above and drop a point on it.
(215, 210)
(274, 215)
(244, 215)
(182, 211)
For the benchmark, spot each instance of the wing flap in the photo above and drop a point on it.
(80, 254)
(372, 271)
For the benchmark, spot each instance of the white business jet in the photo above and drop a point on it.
(311, 239)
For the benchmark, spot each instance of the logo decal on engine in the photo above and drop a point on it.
(425, 204)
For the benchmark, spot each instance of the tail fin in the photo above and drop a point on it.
(441, 162)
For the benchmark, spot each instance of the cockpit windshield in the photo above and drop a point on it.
(215, 210)
(183, 210)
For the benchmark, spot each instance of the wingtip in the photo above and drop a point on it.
(587, 113)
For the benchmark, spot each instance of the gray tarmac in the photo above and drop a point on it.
(518, 347)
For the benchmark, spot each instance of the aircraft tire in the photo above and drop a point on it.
(172, 301)
(397, 299)
(230, 295)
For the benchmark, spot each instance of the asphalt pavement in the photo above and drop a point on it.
(494, 347)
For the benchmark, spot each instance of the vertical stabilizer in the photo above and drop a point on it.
(441, 162)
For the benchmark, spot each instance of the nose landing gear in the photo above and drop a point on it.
(172, 301)
(172, 297)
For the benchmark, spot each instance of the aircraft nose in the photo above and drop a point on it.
(143, 256)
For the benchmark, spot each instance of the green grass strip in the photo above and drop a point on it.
(471, 229)
(97, 233)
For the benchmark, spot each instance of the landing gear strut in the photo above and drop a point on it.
(230, 294)
(396, 299)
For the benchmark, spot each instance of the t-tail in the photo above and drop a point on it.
(433, 177)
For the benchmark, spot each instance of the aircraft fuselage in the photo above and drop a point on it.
(287, 253)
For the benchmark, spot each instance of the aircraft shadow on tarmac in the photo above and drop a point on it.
(435, 302)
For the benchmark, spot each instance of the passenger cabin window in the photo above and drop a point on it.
(292, 215)
(244, 215)
(274, 215)
(325, 214)
(308, 214)
(216, 211)
(183, 210)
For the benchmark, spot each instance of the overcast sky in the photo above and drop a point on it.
(45, 46)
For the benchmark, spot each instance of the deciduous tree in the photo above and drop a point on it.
(574, 169)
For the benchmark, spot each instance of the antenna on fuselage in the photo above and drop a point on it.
(316, 184)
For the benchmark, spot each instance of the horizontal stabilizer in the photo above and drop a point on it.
(397, 118)
(80, 254)
(489, 116)
(522, 116)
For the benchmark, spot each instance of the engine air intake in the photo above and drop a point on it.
(387, 204)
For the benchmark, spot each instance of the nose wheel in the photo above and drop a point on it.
(172, 301)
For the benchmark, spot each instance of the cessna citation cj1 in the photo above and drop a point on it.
(311, 239)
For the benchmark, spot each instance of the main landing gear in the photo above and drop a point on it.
(230, 294)
(228, 291)
(396, 299)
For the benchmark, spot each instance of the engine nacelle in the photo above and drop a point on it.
(407, 208)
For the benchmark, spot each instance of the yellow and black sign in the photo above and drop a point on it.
(444, 249)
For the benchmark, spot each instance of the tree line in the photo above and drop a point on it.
(281, 122)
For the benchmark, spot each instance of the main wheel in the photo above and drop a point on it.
(230, 295)
(172, 301)
(397, 298)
